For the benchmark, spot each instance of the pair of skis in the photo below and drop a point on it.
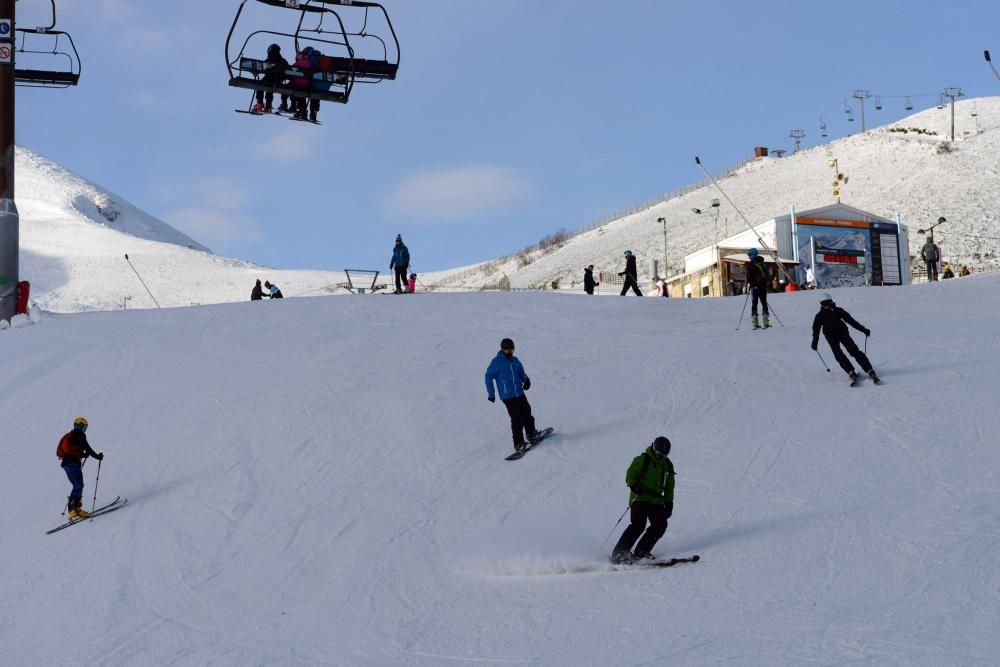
(646, 565)
(115, 504)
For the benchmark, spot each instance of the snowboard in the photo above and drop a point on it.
(544, 433)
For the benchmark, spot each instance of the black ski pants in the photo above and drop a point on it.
(521, 420)
(642, 512)
(852, 348)
(932, 274)
(631, 283)
(758, 294)
(402, 281)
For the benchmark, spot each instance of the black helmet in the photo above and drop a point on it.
(506, 344)
(661, 447)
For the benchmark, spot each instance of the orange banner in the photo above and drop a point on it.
(830, 222)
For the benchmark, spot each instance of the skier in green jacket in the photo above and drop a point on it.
(651, 481)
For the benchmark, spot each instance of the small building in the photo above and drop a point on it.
(841, 245)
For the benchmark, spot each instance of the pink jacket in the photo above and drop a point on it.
(302, 82)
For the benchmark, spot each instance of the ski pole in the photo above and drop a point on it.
(866, 345)
(822, 362)
(777, 319)
(96, 481)
(743, 312)
(142, 281)
(616, 526)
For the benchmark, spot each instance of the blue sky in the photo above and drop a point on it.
(508, 121)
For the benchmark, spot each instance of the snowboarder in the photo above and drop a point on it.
(511, 382)
(831, 319)
(631, 275)
(273, 290)
(650, 478)
(588, 279)
(73, 448)
(257, 294)
(400, 262)
(757, 279)
(275, 77)
(932, 255)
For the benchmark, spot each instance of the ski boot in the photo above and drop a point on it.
(755, 322)
(257, 108)
(854, 377)
(312, 116)
(874, 376)
(76, 510)
(642, 555)
(767, 322)
(533, 437)
(268, 109)
(621, 558)
(520, 447)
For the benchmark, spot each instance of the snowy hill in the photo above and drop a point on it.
(304, 490)
(909, 166)
(74, 237)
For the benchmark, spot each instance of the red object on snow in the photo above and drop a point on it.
(23, 290)
(791, 287)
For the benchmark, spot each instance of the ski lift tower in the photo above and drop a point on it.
(9, 78)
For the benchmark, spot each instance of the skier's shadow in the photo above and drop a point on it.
(781, 523)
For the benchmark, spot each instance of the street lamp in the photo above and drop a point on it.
(715, 219)
(666, 271)
(930, 230)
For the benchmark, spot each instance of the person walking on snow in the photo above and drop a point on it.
(650, 478)
(931, 255)
(758, 280)
(511, 382)
(73, 448)
(831, 319)
(400, 262)
(588, 280)
(631, 275)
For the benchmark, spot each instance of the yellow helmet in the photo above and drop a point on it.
(80, 422)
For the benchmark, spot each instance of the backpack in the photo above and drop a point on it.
(65, 447)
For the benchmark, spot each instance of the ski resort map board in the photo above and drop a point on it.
(845, 253)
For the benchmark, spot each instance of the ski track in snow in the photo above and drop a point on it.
(321, 482)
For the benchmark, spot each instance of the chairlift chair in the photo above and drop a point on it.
(909, 104)
(878, 103)
(63, 49)
(339, 72)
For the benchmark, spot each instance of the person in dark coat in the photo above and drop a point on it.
(831, 319)
(274, 77)
(507, 373)
(650, 478)
(73, 448)
(631, 275)
(931, 255)
(588, 280)
(273, 291)
(257, 294)
(399, 263)
(758, 279)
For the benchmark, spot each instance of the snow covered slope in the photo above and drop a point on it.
(75, 235)
(922, 176)
(322, 482)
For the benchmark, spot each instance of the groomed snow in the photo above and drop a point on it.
(321, 481)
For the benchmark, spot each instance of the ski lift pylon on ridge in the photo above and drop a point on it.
(340, 69)
(38, 77)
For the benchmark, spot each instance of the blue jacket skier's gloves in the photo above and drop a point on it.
(527, 384)
(491, 399)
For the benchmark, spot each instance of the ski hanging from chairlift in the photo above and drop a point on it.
(49, 55)
(346, 42)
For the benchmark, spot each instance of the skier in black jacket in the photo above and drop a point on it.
(831, 319)
(588, 280)
(758, 280)
(274, 77)
(631, 275)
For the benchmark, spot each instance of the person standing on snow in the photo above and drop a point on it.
(931, 255)
(650, 478)
(73, 448)
(631, 274)
(511, 382)
(758, 280)
(588, 280)
(257, 294)
(400, 262)
(831, 319)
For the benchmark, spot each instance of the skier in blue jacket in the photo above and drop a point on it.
(400, 262)
(511, 382)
